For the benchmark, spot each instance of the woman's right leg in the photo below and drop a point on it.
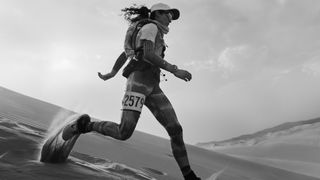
(121, 131)
(137, 88)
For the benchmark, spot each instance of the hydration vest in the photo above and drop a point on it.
(131, 37)
(136, 63)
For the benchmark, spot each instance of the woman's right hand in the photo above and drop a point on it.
(107, 76)
(183, 74)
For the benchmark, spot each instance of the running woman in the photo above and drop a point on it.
(143, 78)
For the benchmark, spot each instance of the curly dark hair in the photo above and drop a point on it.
(135, 13)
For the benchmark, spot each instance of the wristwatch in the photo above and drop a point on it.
(174, 68)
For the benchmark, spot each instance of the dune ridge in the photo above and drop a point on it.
(293, 146)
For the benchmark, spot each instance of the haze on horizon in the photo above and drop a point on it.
(255, 63)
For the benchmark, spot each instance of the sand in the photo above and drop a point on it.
(24, 125)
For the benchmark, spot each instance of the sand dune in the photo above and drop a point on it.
(292, 146)
(24, 122)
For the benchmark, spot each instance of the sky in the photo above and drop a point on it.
(255, 63)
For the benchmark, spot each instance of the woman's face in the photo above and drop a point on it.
(164, 17)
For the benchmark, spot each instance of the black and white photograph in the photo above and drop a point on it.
(160, 90)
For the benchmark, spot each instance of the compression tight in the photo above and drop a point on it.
(160, 106)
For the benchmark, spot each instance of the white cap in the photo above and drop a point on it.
(164, 7)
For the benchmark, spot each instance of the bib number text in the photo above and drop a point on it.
(133, 101)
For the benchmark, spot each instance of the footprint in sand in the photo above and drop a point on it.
(153, 171)
(2, 155)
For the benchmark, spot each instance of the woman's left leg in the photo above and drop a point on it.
(162, 109)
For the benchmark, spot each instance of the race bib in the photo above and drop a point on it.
(133, 101)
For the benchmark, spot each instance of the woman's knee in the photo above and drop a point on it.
(175, 133)
(174, 129)
(125, 135)
(128, 124)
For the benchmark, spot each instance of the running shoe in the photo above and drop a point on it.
(79, 126)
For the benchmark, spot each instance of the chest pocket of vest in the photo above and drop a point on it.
(160, 45)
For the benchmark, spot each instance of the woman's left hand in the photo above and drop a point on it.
(183, 74)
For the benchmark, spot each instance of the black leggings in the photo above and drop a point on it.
(158, 104)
